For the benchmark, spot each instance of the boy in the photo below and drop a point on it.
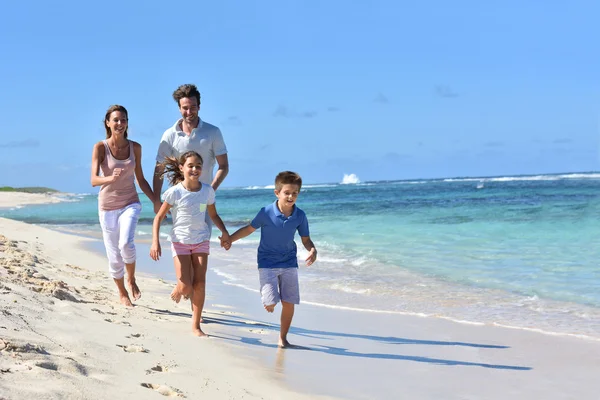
(277, 261)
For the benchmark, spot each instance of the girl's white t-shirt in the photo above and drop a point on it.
(188, 210)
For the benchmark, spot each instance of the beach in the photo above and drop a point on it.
(20, 199)
(63, 335)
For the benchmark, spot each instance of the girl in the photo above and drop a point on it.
(189, 200)
(119, 206)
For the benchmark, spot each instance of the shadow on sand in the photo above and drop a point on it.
(236, 321)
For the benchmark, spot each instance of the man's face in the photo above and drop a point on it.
(189, 107)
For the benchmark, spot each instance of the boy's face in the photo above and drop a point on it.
(287, 196)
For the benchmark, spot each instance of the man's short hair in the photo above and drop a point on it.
(188, 90)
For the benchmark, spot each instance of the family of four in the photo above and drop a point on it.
(187, 155)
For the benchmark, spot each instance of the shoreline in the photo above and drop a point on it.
(409, 291)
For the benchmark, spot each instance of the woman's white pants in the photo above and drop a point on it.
(118, 231)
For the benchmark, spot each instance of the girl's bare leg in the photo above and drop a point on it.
(183, 270)
(199, 263)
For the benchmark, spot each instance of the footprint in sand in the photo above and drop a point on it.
(159, 368)
(163, 389)
(227, 312)
(112, 321)
(133, 348)
(98, 311)
(47, 365)
(258, 331)
(23, 348)
(134, 335)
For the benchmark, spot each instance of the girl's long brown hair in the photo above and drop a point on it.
(171, 166)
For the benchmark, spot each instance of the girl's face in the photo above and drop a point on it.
(192, 168)
(117, 122)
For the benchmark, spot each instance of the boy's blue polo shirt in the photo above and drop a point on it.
(277, 248)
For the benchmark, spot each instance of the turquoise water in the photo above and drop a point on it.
(516, 251)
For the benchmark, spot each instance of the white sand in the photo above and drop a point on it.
(15, 199)
(63, 335)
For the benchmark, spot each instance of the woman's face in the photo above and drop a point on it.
(117, 122)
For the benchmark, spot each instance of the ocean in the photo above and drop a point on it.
(518, 251)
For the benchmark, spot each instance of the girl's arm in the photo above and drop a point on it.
(97, 158)
(312, 250)
(225, 241)
(155, 251)
(139, 173)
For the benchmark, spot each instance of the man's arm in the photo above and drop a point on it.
(222, 172)
(157, 183)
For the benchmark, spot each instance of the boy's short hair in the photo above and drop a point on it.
(287, 178)
(188, 90)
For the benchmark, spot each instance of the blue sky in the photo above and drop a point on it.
(381, 89)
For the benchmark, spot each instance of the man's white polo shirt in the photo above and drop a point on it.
(206, 140)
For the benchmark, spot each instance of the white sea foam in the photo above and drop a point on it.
(225, 275)
(260, 187)
(527, 178)
(350, 179)
(348, 289)
(324, 185)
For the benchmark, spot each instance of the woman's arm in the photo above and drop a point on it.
(139, 173)
(97, 158)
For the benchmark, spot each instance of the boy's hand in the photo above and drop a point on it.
(225, 241)
(312, 257)
(155, 252)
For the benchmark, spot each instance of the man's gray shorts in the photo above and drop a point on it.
(279, 284)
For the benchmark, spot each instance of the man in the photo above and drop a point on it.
(191, 133)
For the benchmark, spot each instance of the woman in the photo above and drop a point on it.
(116, 163)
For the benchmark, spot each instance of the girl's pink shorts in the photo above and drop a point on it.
(181, 249)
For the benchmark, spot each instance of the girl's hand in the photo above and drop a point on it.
(155, 252)
(225, 241)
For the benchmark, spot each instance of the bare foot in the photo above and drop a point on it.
(269, 307)
(198, 332)
(284, 344)
(176, 295)
(135, 290)
(124, 298)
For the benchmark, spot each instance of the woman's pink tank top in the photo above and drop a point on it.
(122, 192)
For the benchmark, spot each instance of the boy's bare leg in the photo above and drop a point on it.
(123, 295)
(199, 262)
(183, 270)
(287, 313)
(135, 290)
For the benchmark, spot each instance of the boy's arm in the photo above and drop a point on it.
(155, 251)
(312, 250)
(242, 233)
